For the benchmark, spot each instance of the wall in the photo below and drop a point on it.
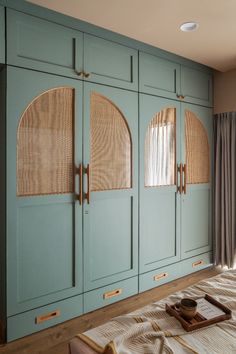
(225, 91)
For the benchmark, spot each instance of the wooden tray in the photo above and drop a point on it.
(199, 321)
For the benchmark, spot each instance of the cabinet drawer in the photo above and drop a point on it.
(32, 321)
(110, 63)
(196, 86)
(41, 45)
(2, 35)
(196, 263)
(158, 277)
(159, 76)
(110, 294)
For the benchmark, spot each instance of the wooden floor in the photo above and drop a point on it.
(55, 340)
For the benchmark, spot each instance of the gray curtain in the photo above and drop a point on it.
(224, 207)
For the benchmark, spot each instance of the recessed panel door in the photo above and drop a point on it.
(44, 217)
(111, 185)
(159, 200)
(196, 197)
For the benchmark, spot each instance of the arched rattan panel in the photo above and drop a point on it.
(197, 152)
(160, 149)
(45, 144)
(111, 146)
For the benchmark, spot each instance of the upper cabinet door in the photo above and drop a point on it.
(196, 197)
(196, 86)
(44, 217)
(110, 63)
(159, 76)
(2, 35)
(41, 45)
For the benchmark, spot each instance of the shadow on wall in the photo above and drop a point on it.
(225, 91)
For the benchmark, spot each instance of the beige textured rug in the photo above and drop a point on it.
(151, 330)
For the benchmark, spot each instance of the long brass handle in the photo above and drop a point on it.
(185, 178)
(79, 172)
(180, 171)
(87, 195)
(47, 316)
(112, 293)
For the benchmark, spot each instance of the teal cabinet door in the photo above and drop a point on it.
(44, 218)
(111, 211)
(159, 76)
(196, 86)
(42, 45)
(159, 200)
(110, 63)
(2, 35)
(196, 197)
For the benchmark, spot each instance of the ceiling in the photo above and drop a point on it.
(156, 22)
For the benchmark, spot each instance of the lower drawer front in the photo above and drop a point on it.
(110, 294)
(158, 277)
(196, 263)
(32, 321)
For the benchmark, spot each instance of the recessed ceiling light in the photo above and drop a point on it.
(189, 26)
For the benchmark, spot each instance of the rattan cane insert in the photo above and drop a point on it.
(45, 144)
(111, 147)
(196, 150)
(160, 146)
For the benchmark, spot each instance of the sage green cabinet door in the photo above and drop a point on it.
(44, 218)
(196, 203)
(111, 216)
(42, 45)
(159, 200)
(110, 63)
(2, 35)
(196, 86)
(159, 76)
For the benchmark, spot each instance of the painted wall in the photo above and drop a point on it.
(225, 91)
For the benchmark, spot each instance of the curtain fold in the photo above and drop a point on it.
(224, 210)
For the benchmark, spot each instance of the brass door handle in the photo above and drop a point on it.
(79, 73)
(185, 178)
(87, 75)
(87, 195)
(79, 172)
(180, 171)
(181, 97)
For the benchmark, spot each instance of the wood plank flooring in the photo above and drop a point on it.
(55, 340)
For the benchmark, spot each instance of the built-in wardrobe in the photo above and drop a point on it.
(106, 168)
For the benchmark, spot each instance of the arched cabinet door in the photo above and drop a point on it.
(110, 214)
(159, 200)
(196, 202)
(44, 220)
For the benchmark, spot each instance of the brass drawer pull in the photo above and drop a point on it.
(160, 276)
(47, 316)
(87, 75)
(197, 263)
(112, 293)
